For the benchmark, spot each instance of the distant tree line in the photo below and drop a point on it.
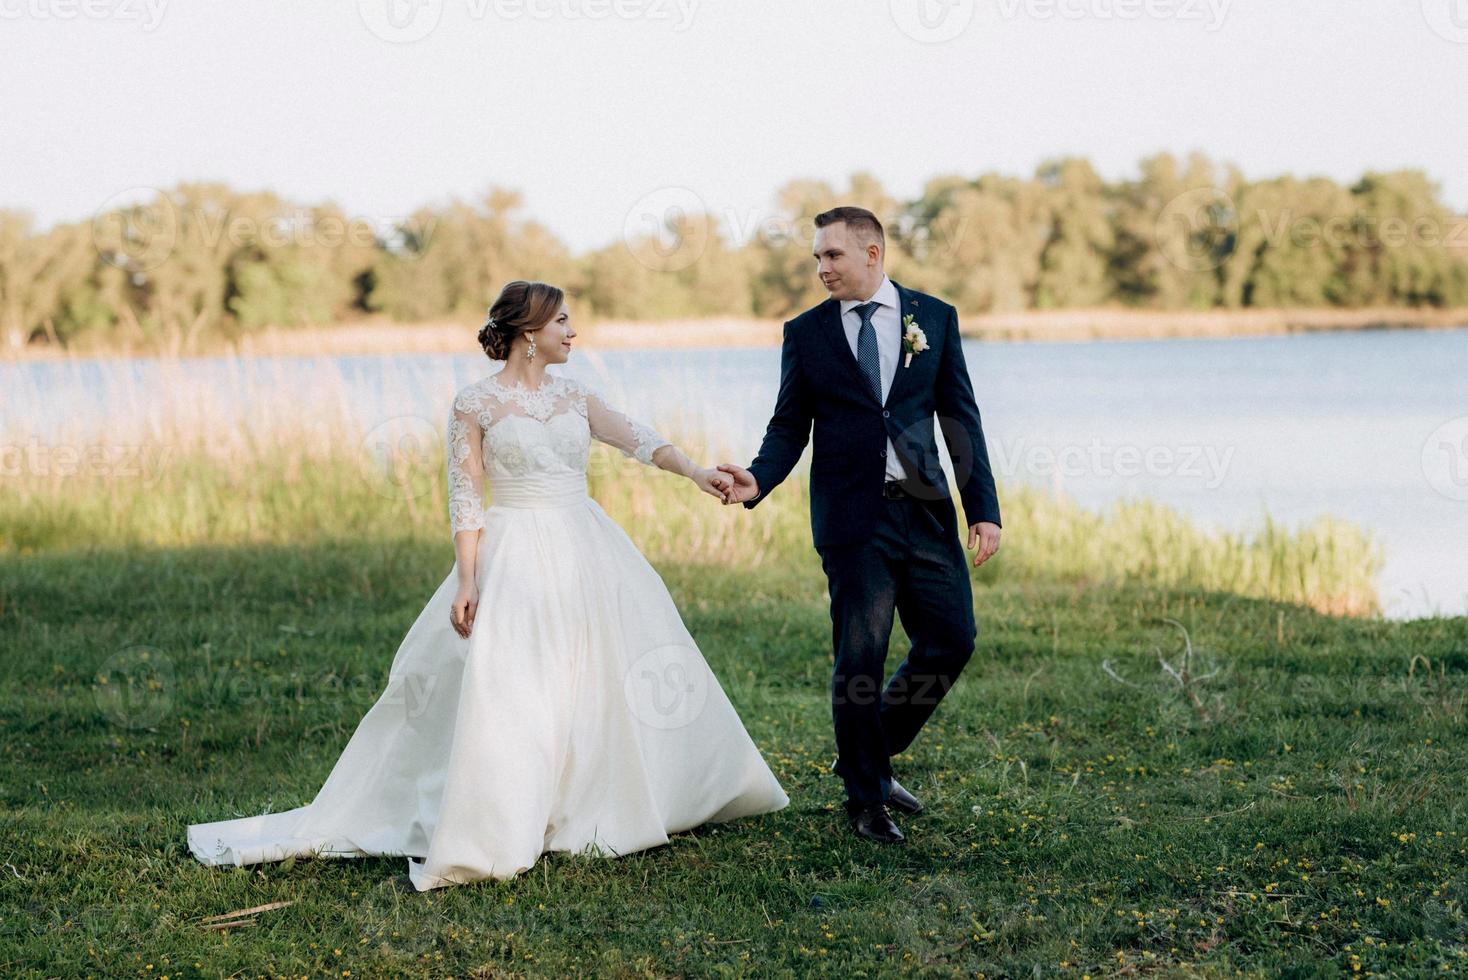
(201, 259)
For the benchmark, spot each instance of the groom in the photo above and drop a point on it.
(882, 516)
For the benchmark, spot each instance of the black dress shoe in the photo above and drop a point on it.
(898, 799)
(903, 801)
(873, 822)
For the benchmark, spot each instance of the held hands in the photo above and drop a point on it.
(987, 535)
(711, 482)
(741, 487)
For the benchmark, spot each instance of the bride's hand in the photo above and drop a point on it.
(712, 481)
(466, 604)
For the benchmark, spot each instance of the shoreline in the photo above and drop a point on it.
(380, 336)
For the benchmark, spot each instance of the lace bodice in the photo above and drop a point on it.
(506, 432)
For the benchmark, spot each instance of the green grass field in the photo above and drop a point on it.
(1291, 804)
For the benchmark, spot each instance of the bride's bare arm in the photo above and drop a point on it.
(669, 457)
(466, 554)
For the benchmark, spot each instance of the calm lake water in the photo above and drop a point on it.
(1367, 426)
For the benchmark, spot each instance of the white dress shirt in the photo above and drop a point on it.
(888, 327)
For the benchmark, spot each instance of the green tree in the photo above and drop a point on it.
(981, 242)
(1291, 246)
(1074, 259)
(782, 266)
(1175, 229)
(454, 262)
(1398, 252)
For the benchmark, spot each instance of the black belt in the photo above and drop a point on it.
(892, 490)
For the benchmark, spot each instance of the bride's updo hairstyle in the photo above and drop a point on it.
(522, 306)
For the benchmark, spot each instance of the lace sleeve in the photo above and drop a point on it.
(466, 467)
(632, 438)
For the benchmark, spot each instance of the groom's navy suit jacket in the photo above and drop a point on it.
(822, 388)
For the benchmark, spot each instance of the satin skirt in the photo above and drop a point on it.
(578, 716)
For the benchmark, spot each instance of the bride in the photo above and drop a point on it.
(548, 697)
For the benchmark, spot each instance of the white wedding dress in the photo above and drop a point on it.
(577, 716)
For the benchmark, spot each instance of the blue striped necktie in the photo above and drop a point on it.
(866, 349)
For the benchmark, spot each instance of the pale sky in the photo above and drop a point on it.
(589, 106)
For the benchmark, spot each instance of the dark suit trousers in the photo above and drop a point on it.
(909, 564)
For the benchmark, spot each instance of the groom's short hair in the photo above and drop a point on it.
(863, 223)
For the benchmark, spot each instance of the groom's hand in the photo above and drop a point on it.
(987, 536)
(745, 486)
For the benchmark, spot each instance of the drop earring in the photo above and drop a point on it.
(530, 352)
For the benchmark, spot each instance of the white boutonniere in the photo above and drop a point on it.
(914, 341)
